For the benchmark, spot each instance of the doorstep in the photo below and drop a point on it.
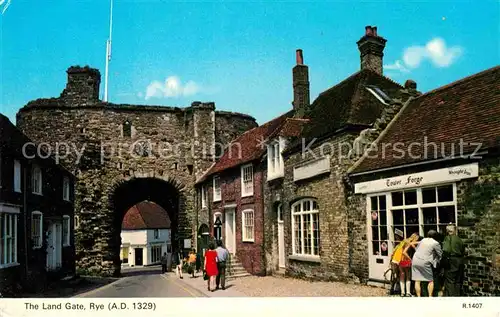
(201, 285)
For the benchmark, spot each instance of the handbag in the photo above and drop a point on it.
(205, 276)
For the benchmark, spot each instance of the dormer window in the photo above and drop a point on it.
(127, 129)
(275, 166)
(379, 94)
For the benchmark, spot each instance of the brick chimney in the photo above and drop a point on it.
(371, 46)
(82, 85)
(300, 77)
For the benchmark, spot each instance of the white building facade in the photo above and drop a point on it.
(144, 247)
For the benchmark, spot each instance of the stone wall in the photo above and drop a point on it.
(166, 143)
(328, 190)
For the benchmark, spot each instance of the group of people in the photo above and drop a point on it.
(423, 260)
(214, 266)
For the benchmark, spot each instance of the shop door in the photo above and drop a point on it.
(378, 239)
(138, 256)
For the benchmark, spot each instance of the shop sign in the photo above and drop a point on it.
(443, 175)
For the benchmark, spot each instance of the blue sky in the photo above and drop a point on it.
(238, 54)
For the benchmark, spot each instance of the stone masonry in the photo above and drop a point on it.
(123, 154)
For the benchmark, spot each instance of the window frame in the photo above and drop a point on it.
(11, 239)
(66, 188)
(246, 192)
(17, 176)
(66, 240)
(312, 211)
(39, 243)
(245, 227)
(217, 190)
(153, 249)
(36, 170)
(156, 234)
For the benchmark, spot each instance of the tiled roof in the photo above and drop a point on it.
(467, 110)
(146, 215)
(251, 143)
(292, 127)
(347, 103)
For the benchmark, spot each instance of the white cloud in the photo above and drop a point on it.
(172, 87)
(435, 51)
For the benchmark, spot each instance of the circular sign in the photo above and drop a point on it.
(374, 215)
(384, 246)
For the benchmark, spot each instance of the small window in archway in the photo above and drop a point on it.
(127, 129)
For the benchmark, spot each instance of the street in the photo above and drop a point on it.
(144, 282)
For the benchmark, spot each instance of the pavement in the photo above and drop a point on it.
(201, 285)
(144, 282)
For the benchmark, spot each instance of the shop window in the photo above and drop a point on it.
(36, 229)
(8, 239)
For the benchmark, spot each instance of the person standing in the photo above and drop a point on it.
(408, 248)
(453, 254)
(222, 258)
(178, 264)
(210, 266)
(192, 263)
(426, 258)
(164, 262)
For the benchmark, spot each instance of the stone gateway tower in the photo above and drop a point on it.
(124, 154)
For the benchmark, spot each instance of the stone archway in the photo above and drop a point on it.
(166, 193)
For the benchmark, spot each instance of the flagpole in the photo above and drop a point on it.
(108, 52)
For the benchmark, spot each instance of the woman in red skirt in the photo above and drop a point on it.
(211, 266)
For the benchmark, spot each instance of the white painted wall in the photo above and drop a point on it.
(144, 239)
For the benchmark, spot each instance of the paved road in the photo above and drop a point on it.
(145, 282)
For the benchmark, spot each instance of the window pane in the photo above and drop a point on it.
(381, 200)
(307, 205)
(397, 198)
(2, 238)
(397, 217)
(374, 203)
(376, 248)
(446, 214)
(383, 233)
(429, 195)
(429, 227)
(401, 228)
(375, 235)
(374, 216)
(383, 217)
(297, 229)
(384, 248)
(411, 216)
(429, 215)
(315, 205)
(307, 234)
(445, 193)
(411, 230)
(411, 197)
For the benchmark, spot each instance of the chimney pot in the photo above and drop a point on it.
(410, 84)
(368, 30)
(374, 31)
(299, 57)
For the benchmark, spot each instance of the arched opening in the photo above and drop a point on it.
(136, 191)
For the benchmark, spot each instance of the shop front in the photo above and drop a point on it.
(407, 204)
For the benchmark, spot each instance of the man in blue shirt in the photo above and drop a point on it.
(222, 258)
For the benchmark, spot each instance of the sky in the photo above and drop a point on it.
(239, 55)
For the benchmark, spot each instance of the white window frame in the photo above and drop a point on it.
(37, 244)
(66, 239)
(37, 171)
(419, 205)
(312, 211)
(247, 180)
(204, 196)
(275, 162)
(17, 176)
(9, 259)
(247, 230)
(156, 234)
(217, 188)
(66, 188)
